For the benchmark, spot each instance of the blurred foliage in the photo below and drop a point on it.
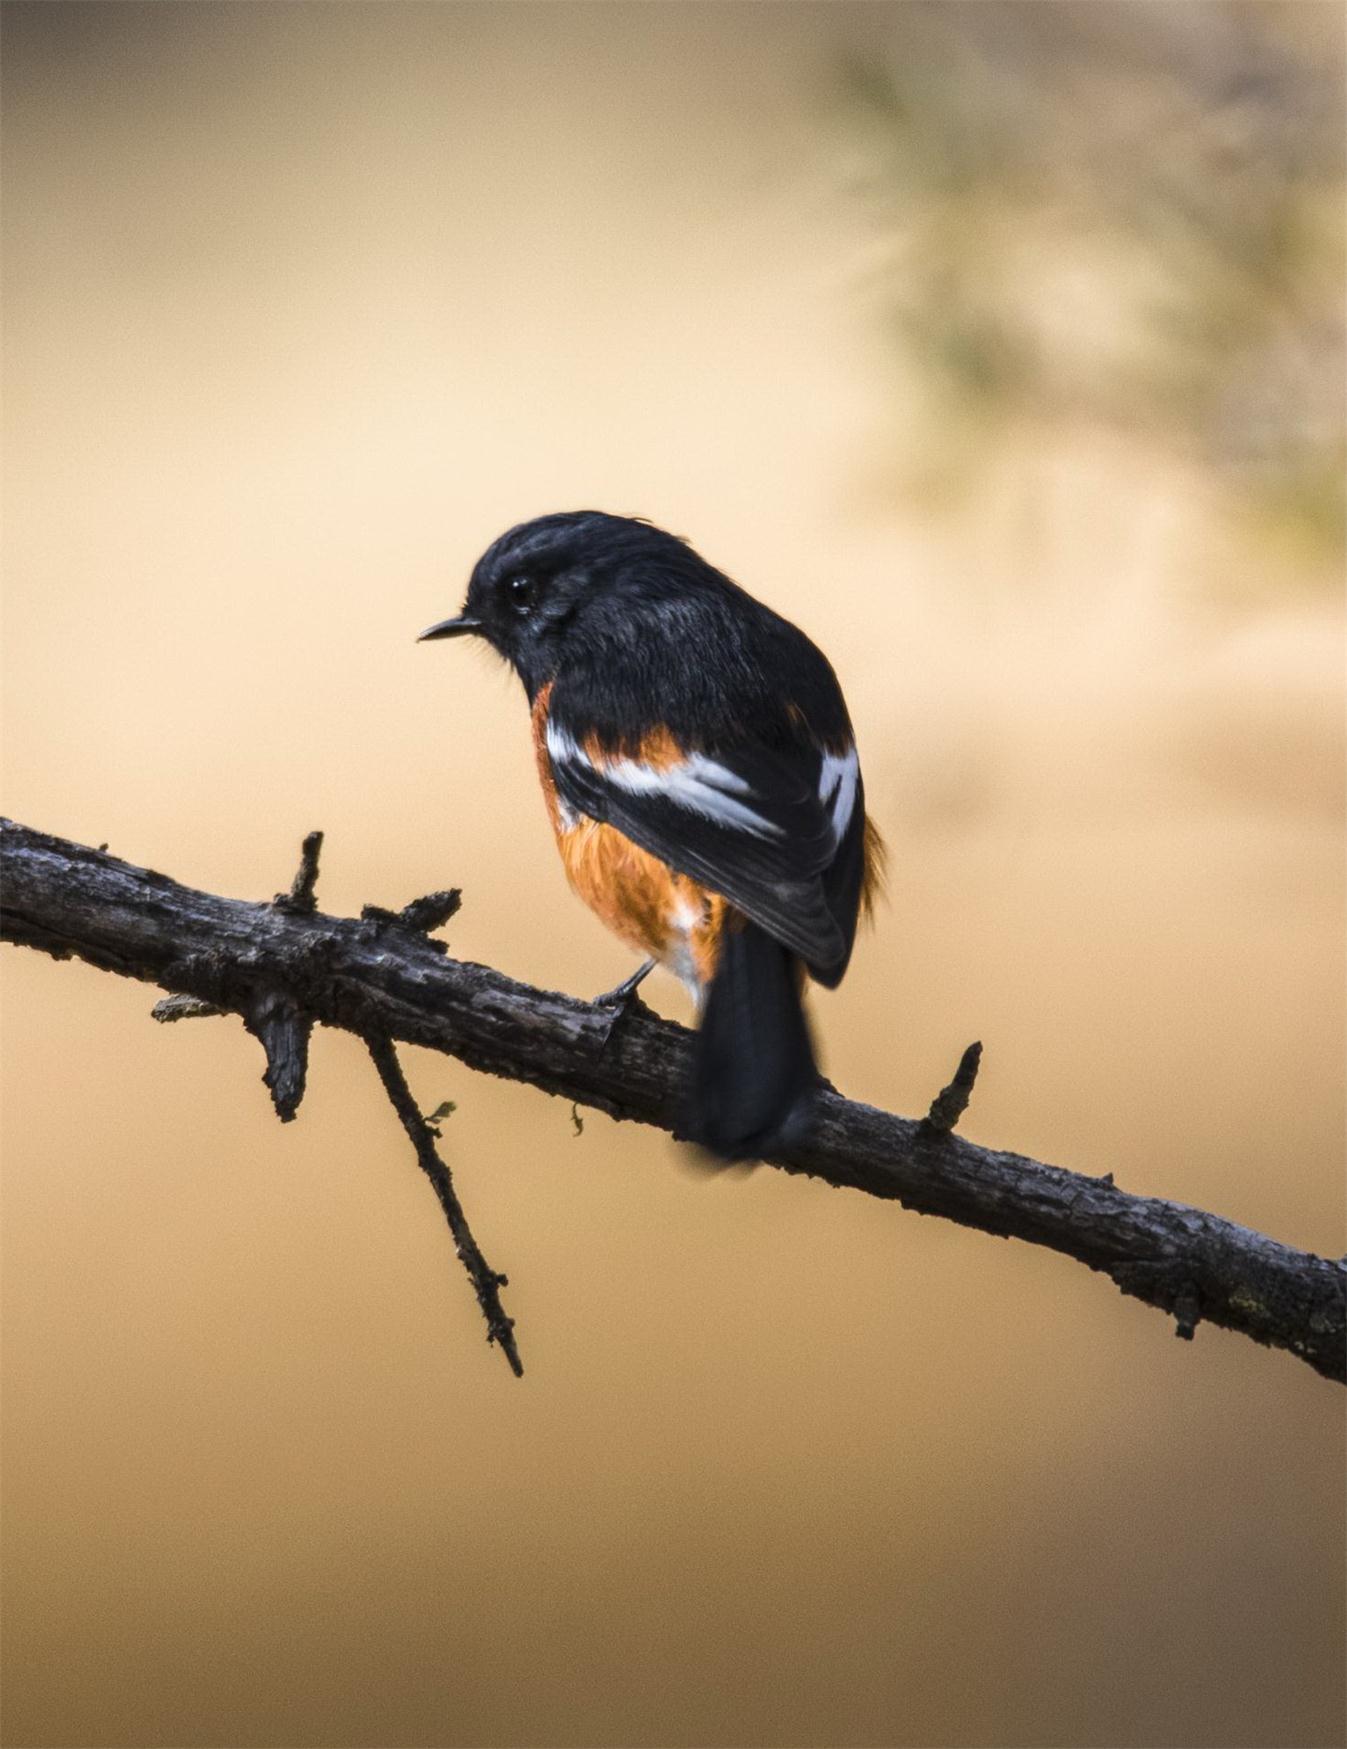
(1128, 213)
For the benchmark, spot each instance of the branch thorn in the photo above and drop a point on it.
(301, 899)
(431, 911)
(1187, 1313)
(284, 1034)
(951, 1102)
(172, 1008)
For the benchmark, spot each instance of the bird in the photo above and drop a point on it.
(701, 776)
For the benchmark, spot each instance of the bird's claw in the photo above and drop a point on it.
(623, 995)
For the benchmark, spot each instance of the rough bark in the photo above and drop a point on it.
(380, 977)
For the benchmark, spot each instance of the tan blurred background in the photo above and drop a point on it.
(1001, 347)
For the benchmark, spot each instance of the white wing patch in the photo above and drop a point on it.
(837, 789)
(698, 783)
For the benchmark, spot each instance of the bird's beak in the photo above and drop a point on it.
(451, 628)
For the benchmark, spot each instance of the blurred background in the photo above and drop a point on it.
(1000, 345)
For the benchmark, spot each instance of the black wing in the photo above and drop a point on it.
(778, 833)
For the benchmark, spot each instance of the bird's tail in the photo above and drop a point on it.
(753, 1069)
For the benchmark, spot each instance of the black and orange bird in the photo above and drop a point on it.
(701, 775)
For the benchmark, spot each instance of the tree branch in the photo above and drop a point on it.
(380, 978)
(486, 1282)
(283, 1029)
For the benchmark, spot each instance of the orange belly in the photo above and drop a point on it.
(663, 915)
(666, 916)
(659, 913)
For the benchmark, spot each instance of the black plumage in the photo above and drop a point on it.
(710, 732)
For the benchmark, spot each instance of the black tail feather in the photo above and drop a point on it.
(753, 1071)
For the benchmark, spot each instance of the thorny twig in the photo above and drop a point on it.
(283, 1029)
(301, 900)
(951, 1102)
(486, 1282)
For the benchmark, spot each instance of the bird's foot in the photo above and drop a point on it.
(622, 995)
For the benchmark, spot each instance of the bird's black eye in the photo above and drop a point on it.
(523, 592)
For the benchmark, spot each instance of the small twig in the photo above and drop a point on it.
(486, 1282)
(419, 918)
(432, 911)
(951, 1102)
(302, 898)
(183, 1008)
(446, 1108)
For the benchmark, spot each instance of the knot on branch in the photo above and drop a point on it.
(1165, 1284)
(1187, 1312)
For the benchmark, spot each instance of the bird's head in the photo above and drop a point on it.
(540, 581)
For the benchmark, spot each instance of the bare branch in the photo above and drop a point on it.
(391, 982)
(486, 1282)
